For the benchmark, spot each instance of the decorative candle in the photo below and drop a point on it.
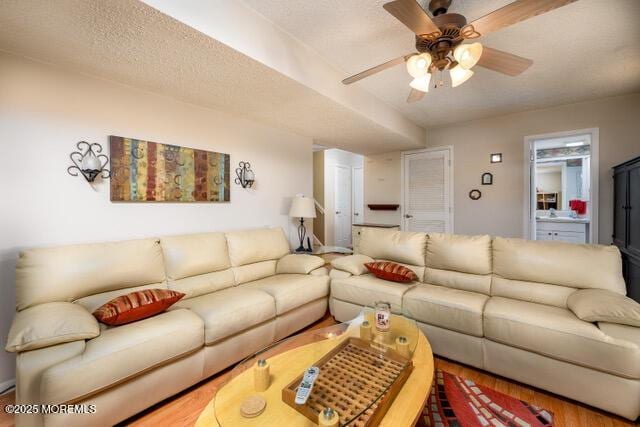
(365, 330)
(402, 346)
(261, 375)
(328, 418)
(383, 316)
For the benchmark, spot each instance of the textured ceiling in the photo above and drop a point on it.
(584, 50)
(132, 43)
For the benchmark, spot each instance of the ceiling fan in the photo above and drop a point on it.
(439, 42)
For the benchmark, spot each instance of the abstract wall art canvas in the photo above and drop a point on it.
(144, 171)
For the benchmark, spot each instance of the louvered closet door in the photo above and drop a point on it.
(426, 192)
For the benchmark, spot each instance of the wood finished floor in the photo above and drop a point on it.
(184, 408)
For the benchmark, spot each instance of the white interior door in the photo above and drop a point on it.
(342, 204)
(358, 195)
(427, 191)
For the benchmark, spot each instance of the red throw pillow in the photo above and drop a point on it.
(136, 305)
(388, 270)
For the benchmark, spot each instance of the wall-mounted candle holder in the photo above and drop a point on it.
(245, 176)
(89, 161)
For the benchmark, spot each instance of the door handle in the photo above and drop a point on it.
(408, 216)
(337, 212)
(356, 214)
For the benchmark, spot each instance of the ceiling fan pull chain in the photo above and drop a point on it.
(440, 81)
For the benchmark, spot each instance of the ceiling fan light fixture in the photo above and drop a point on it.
(421, 83)
(459, 75)
(468, 55)
(418, 65)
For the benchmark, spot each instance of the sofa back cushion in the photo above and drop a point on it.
(540, 293)
(457, 252)
(254, 253)
(399, 246)
(197, 264)
(250, 246)
(525, 264)
(67, 273)
(459, 261)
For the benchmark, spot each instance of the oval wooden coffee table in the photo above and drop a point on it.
(290, 357)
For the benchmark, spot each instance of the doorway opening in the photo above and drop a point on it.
(561, 187)
(339, 194)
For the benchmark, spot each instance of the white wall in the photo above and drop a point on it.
(499, 211)
(332, 158)
(382, 185)
(44, 111)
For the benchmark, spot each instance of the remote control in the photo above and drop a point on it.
(306, 385)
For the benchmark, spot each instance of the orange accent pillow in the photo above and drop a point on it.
(136, 305)
(388, 270)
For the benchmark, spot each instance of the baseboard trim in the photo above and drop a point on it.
(7, 385)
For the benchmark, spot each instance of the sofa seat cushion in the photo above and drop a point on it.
(448, 308)
(121, 353)
(291, 290)
(556, 332)
(367, 289)
(230, 311)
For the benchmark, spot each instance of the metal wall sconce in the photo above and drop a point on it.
(496, 158)
(89, 161)
(245, 176)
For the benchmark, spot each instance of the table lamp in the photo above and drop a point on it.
(302, 207)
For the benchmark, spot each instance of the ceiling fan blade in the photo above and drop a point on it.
(373, 70)
(412, 15)
(415, 96)
(515, 12)
(503, 62)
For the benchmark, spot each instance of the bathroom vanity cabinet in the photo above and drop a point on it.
(563, 229)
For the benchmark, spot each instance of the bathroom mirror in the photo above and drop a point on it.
(560, 181)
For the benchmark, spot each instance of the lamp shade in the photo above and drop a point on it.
(459, 75)
(302, 207)
(421, 83)
(418, 65)
(468, 55)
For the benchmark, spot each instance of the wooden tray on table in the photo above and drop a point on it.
(358, 381)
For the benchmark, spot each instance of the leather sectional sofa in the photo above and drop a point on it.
(507, 306)
(243, 292)
(502, 305)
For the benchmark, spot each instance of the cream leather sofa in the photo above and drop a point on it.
(243, 292)
(505, 306)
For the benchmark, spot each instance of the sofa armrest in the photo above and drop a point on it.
(353, 264)
(298, 264)
(599, 305)
(48, 324)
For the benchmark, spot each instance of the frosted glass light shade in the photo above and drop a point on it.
(302, 207)
(90, 162)
(468, 55)
(459, 75)
(418, 65)
(421, 83)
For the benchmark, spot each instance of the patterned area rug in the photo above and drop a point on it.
(458, 402)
